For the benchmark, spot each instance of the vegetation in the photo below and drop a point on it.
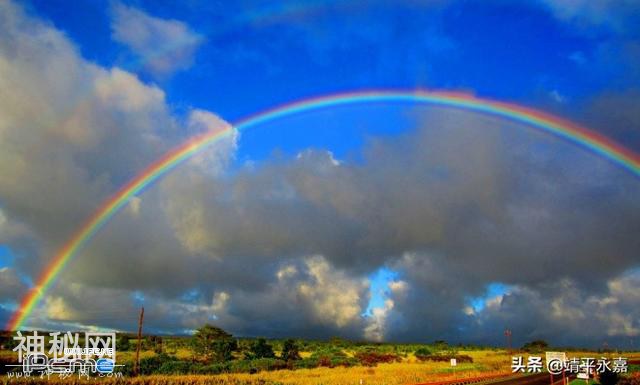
(536, 346)
(214, 344)
(633, 379)
(290, 350)
(214, 356)
(422, 354)
(261, 349)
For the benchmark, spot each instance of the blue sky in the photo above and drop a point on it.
(253, 56)
(515, 51)
(166, 60)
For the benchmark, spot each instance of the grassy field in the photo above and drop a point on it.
(405, 368)
(409, 370)
(390, 374)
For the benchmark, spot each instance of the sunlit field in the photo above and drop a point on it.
(408, 370)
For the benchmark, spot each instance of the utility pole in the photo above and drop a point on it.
(136, 364)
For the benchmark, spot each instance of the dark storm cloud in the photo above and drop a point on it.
(356, 216)
(452, 187)
(10, 285)
(617, 114)
(566, 314)
(460, 202)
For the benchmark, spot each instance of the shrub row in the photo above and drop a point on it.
(165, 364)
(373, 358)
(460, 358)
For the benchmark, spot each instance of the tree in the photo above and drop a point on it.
(290, 350)
(261, 349)
(211, 342)
(422, 353)
(123, 343)
(536, 346)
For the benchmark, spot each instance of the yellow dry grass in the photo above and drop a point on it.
(410, 371)
(388, 374)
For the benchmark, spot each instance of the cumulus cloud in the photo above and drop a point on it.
(71, 133)
(447, 206)
(161, 46)
(375, 330)
(555, 310)
(217, 158)
(332, 296)
(310, 298)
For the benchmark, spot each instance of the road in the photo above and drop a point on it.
(534, 379)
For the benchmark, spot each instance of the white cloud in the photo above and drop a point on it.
(557, 96)
(378, 323)
(559, 310)
(161, 46)
(610, 13)
(57, 309)
(71, 134)
(333, 297)
(212, 160)
(377, 326)
(286, 272)
(398, 288)
(220, 301)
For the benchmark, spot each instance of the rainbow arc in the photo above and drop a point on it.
(566, 130)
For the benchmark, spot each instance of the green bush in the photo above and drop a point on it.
(328, 352)
(177, 367)
(460, 358)
(422, 353)
(123, 343)
(372, 358)
(330, 357)
(290, 350)
(261, 349)
(151, 365)
(342, 361)
(218, 368)
(306, 363)
(536, 346)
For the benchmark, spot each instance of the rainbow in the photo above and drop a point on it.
(564, 129)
